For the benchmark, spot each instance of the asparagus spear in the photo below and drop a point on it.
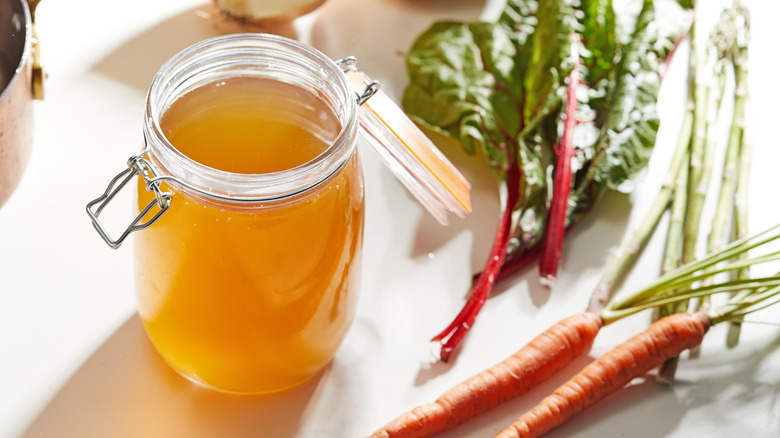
(622, 260)
(707, 94)
(722, 38)
(737, 136)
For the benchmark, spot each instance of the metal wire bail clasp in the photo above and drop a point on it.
(135, 165)
(349, 64)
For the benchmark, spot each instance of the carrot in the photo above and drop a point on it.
(530, 366)
(573, 336)
(667, 337)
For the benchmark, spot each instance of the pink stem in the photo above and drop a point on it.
(519, 263)
(451, 337)
(556, 220)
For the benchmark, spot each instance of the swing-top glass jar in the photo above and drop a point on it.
(247, 281)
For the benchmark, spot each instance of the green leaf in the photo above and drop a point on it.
(626, 120)
(498, 87)
(630, 124)
(474, 81)
(597, 25)
(456, 72)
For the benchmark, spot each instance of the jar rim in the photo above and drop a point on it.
(190, 175)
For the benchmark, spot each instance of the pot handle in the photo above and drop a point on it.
(37, 69)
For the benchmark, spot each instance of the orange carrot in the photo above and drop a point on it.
(665, 338)
(530, 366)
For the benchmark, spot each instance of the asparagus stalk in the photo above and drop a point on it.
(737, 135)
(671, 258)
(725, 45)
(674, 237)
(740, 229)
(708, 95)
(623, 259)
(714, 99)
(725, 203)
(722, 39)
(697, 157)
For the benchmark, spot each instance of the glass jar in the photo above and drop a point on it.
(247, 281)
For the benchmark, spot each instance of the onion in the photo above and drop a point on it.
(266, 11)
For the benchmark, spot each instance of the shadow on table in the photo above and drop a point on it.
(126, 390)
(379, 33)
(137, 60)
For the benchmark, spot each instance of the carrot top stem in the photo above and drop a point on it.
(739, 306)
(749, 286)
(682, 275)
(707, 274)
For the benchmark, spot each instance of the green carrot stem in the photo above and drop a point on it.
(689, 280)
(739, 316)
(739, 306)
(749, 285)
(663, 283)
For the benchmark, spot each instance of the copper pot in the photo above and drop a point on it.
(19, 72)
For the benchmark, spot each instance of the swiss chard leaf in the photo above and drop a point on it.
(475, 82)
(626, 117)
(498, 87)
(629, 125)
(460, 86)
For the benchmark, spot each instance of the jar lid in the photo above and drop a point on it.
(409, 154)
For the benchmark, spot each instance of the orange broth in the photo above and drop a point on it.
(257, 299)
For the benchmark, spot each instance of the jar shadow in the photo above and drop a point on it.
(481, 223)
(337, 33)
(126, 390)
(135, 62)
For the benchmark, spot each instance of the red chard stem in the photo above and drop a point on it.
(556, 220)
(451, 337)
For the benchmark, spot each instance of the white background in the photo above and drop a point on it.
(74, 361)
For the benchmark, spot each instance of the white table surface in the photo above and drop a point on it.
(74, 360)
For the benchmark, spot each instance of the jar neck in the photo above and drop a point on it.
(258, 56)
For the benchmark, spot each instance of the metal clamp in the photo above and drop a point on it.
(136, 164)
(349, 64)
